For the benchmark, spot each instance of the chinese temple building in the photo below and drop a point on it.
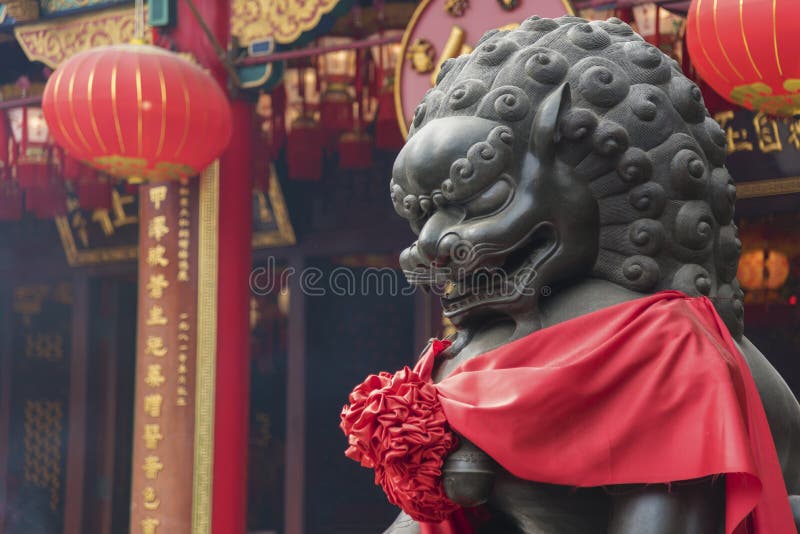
(177, 336)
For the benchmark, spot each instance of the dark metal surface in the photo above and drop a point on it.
(561, 168)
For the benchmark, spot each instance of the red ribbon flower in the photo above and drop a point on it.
(395, 424)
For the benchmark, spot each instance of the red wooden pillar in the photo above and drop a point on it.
(229, 493)
(229, 512)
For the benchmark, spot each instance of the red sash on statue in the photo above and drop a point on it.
(648, 391)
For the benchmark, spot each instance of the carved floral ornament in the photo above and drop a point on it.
(456, 8)
(283, 20)
(421, 55)
(53, 42)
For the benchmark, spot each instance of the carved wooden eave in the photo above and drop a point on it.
(53, 41)
(285, 22)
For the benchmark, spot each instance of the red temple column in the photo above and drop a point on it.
(229, 513)
(232, 382)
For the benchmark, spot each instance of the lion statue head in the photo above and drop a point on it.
(561, 150)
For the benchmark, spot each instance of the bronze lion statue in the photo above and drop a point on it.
(578, 153)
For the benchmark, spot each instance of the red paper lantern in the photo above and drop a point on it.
(746, 51)
(70, 167)
(10, 201)
(277, 122)
(92, 188)
(32, 151)
(304, 150)
(47, 202)
(6, 142)
(355, 151)
(337, 72)
(336, 112)
(95, 195)
(33, 170)
(387, 130)
(137, 111)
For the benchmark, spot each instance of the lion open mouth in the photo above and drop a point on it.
(515, 278)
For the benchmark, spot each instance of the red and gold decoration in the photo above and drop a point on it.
(261, 27)
(22, 10)
(745, 51)
(166, 359)
(57, 39)
(32, 165)
(441, 29)
(508, 5)
(456, 8)
(36, 173)
(32, 148)
(137, 111)
(421, 56)
(285, 21)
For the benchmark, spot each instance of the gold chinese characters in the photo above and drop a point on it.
(155, 349)
(765, 134)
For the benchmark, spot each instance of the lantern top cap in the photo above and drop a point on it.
(135, 46)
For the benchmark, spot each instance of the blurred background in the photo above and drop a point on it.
(321, 92)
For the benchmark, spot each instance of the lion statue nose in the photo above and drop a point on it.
(436, 240)
(446, 252)
(410, 259)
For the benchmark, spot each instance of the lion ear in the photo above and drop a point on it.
(544, 132)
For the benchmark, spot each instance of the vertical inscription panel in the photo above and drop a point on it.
(165, 360)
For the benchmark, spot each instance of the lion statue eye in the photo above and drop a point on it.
(490, 201)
